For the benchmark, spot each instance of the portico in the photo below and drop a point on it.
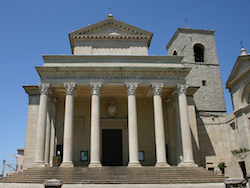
(97, 94)
(111, 86)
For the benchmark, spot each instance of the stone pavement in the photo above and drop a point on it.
(202, 185)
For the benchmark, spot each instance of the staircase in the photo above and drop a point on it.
(116, 175)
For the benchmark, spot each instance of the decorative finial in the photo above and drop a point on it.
(110, 13)
(186, 20)
(243, 50)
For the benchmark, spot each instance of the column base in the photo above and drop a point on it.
(162, 164)
(187, 164)
(95, 164)
(67, 164)
(134, 164)
(47, 164)
(39, 164)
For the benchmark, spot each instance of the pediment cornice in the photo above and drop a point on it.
(132, 30)
(91, 32)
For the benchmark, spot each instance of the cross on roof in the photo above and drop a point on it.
(241, 43)
(110, 10)
(186, 20)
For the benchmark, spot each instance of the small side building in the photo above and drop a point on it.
(237, 124)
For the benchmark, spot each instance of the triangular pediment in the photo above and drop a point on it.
(241, 68)
(109, 29)
(110, 26)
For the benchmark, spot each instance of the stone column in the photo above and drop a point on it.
(53, 131)
(179, 155)
(188, 159)
(41, 125)
(68, 126)
(161, 159)
(48, 130)
(132, 126)
(95, 141)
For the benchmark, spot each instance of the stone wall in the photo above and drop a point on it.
(237, 135)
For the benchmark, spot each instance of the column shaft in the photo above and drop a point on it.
(185, 127)
(179, 155)
(68, 127)
(41, 125)
(95, 142)
(161, 159)
(132, 127)
(47, 140)
(53, 132)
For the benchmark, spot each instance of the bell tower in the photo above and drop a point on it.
(199, 51)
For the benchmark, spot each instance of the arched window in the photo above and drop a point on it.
(199, 53)
(175, 53)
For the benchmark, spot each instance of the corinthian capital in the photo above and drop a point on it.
(55, 102)
(44, 88)
(95, 88)
(174, 96)
(182, 88)
(157, 88)
(70, 88)
(169, 103)
(131, 88)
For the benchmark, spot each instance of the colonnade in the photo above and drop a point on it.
(45, 149)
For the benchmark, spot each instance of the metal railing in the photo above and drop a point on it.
(9, 169)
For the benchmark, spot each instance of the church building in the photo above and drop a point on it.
(110, 103)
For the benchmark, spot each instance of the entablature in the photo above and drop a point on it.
(111, 61)
(111, 75)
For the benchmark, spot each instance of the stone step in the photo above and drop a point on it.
(110, 173)
(117, 175)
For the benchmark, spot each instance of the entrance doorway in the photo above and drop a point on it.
(112, 147)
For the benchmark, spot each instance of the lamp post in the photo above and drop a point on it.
(3, 167)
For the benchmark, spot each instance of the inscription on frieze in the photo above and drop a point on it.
(114, 77)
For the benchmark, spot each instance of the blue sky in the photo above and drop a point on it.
(31, 28)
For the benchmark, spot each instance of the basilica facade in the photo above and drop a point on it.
(112, 104)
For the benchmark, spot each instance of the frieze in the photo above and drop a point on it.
(115, 70)
(112, 77)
